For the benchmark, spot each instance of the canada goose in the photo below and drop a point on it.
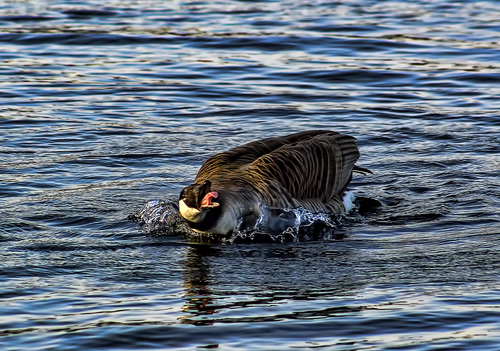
(309, 169)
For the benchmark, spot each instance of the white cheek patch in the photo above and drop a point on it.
(190, 213)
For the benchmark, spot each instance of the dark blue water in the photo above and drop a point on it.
(105, 105)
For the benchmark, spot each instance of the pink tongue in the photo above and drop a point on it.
(207, 200)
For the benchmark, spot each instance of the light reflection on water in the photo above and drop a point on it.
(106, 105)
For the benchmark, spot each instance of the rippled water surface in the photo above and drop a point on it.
(108, 104)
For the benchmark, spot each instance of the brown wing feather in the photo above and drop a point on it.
(317, 169)
(241, 156)
(310, 169)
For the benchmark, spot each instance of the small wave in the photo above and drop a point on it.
(27, 18)
(89, 13)
(83, 39)
(262, 42)
(478, 78)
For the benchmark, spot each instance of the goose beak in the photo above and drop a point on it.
(207, 203)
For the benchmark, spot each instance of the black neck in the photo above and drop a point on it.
(208, 221)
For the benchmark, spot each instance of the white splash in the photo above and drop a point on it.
(159, 217)
(294, 223)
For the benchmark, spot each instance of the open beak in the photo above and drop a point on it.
(207, 202)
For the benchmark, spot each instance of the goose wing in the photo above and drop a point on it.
(241, 157)
(310, 169)
(314, 170)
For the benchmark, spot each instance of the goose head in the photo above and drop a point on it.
(220, 211)
(197, 201)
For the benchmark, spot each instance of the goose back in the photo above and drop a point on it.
(310, 169)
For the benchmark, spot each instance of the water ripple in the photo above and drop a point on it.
(106, 104)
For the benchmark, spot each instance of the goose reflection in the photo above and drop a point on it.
(267, 282)
(198, 297)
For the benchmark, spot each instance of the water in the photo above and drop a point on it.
(161, 217)
(106, 105)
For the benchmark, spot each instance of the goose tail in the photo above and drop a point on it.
(362, 170)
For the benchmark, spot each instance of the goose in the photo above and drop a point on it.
(310, 170)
